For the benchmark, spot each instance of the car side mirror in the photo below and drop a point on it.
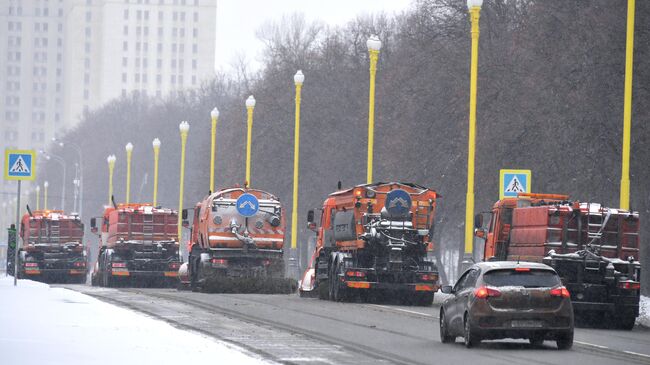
(478, 220)
(446, 289)
(184, 214)
(310, 216)
(480, 233)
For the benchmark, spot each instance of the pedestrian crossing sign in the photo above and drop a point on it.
(513, 182)
(20, 164)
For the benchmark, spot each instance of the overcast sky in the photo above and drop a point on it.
(237, 21)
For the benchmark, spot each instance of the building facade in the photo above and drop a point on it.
(59, 58)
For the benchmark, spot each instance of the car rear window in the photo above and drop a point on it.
(527, 279)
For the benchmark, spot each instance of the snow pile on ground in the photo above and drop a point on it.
(43, 325)
(644, 312)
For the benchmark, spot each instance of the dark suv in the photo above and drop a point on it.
(508, 299)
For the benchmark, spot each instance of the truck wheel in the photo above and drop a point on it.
(323, 290)
(625, 321)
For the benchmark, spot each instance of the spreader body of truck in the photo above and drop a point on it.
(139, 246)
(373, 240)
(52, 248)
(237, 243)
(594, 249)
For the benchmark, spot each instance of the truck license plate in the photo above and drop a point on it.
(526, 324)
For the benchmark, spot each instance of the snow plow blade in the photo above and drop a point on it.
(249, 285)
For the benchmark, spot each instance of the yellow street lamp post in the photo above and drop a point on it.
(38, 197)
(45, 185)
(214, 114)
(298, 79)
(627, 108)
(184, 128)
(129, 152)
(156, 153)
(111, 167)
(474, 7)
(374, 45)
(250, 105)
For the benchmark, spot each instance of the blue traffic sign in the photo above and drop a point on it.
(247, 205)
(19, 165)
(513, 182)
(398, 203)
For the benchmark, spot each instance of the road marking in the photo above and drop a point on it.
(591, 344)
(637, 354)
(403, 310)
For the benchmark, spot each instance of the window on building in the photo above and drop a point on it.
(146, 15)
(86, 79)
(159, 47)
(125, 30)
(195, 33)
(160, 32)
(173, 79)
(182, 32)
(125, 46)
(195, 48)
(144, 78)
(123, 77)
(158, 79)
(196, 16)
(159, 63)
(125, 62)
(89, 16)
(126, 14)
(86, 94)
(88, 32)
(137, 77)
(193, 64)
(139, 14)
(160, 16)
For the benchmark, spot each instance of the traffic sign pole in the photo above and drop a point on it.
(17, 234)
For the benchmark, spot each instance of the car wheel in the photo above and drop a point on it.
(471, 339)
(444, 331)
(564, 341)
(626, 322)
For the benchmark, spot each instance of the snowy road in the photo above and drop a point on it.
(288, 329)
(47, 325)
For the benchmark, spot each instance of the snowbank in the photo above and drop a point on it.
(644, 312)
(43, 325)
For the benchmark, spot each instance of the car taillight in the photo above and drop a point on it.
(560, 292)
(484, 292)
(79, 264)
(174, 265)
(31, 264)
(118, 264)
(629, 285)
(522, 269)
(355, 274)
(219, 262)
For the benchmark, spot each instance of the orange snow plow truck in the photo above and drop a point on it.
(373, 240)
(52, 247)
(237, 244)
(594, 249)
(139, 246)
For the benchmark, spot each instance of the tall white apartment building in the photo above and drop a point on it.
(61, 57)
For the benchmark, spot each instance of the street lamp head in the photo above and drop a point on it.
(38, 189)
(473, 3)
(214, 113)
(110, 159)
(156, 143)
(129, 147)
(373, 43)
(46, 184)
(47, 157)
(299, 77)
(184, 127)
(250, 102)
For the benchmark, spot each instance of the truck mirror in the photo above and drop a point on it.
(478, 220)
(446, 289)
(184, 214)
(310, 216)
(93, 222)
(480, 233)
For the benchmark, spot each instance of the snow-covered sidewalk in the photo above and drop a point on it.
(644, 312)
(42, 325)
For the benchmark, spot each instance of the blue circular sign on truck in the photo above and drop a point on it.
(398, 203)
(247, 205)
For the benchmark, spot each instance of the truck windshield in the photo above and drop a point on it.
(527, 279)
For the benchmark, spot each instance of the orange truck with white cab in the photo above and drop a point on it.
(237, 243)
(373, 240)
(594, 249)
(139, 246)
(53, 248)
